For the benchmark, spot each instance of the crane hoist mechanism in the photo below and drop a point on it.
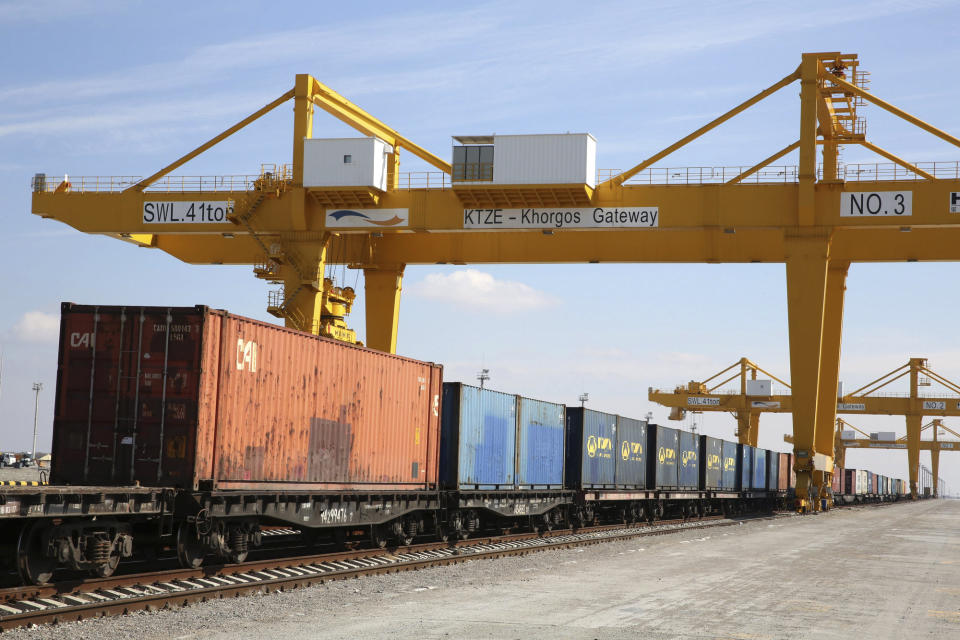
(756, 396)
(846, 438)
(346, 202)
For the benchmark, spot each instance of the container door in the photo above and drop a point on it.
(540, 443)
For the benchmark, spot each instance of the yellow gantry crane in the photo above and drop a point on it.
(747, 405)
(935, 445)
(815, 219)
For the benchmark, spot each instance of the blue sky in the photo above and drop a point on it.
(122, 88)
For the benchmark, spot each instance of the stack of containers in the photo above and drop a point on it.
(711, 467)
(499, 441)
(663, 444)
(729, 479)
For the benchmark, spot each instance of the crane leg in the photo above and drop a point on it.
(382, 297)
(830, 369)
(748, 426)
(303, 302)
(807, 266)
(935, 463)
(913, 451)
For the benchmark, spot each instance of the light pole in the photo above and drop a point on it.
(483, 376)
(583, 398)
(37, 386)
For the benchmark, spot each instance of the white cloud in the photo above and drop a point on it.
(479, 290)
(37, 326)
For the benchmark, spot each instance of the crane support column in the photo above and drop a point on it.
(382, 286)
(302, 270)
(830, 367)
(302, 122)
(913, 451)
(807, 266)
(935, 463)
(748, 427)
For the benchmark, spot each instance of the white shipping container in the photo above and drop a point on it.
(883, 435)
(569, 158)
(861, 481)
(345, 162)
(848, 435)
(759, 387)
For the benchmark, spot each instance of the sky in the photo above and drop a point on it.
(123, 88)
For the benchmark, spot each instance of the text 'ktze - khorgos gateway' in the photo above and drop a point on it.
(562, 218)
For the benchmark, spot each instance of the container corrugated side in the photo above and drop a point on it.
(540, 436)
(783, 475)
(746, 466)
(631, 466)
(297, 409)
(662, 453)
(711, 463)
(729, 478)
(479, 431)
(836, 484)
(688, 466)
(759, 469)
(544, 159)
(773, 470)
(591, 438)
(198, 398)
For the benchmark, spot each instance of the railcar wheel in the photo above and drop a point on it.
(380, 536)
(190, 551)
(33, 565)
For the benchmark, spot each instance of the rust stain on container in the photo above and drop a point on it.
(194, 397)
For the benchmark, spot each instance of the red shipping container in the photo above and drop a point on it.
(201, 399)
(837, 475)
(783, 475)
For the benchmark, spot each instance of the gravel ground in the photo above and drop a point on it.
(757, 580)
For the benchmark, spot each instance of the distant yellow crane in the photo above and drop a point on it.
(867, 400)
(934, 445)
(814, 219)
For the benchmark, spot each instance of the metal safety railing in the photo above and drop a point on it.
(46, 183)
(857, 172)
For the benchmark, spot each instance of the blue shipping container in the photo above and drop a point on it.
(711, 462)
(631, 453)
(540, 444)
(591, 438)
(759, 469)
(729, 478)
(773, 469)
(688, 452)
(479, 428)
(662, 445)
(746, 466)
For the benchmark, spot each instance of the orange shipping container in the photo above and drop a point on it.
(783, 479)
(200, 399)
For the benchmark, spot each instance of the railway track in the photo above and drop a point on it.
(118, 595)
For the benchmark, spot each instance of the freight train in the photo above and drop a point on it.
(190, 429)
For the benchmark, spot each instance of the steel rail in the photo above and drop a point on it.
(73, 601)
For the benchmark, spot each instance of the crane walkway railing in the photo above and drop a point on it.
(788, 174)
